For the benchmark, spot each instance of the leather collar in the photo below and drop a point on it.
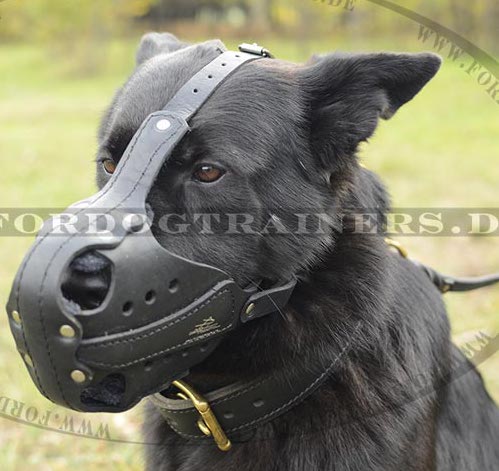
(243, 406)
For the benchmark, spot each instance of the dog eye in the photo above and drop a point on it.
(109, 166)
(207, 173)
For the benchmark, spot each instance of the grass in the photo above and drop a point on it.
(440, 150)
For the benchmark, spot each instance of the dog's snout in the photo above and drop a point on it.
(87, 280)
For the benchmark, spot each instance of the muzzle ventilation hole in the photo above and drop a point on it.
(127, 308)
(173, 286)
(150, 297)
(87, 280)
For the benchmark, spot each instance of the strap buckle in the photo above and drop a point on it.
(207, 423)
(255, 49)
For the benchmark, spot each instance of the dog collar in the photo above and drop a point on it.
(227, 413)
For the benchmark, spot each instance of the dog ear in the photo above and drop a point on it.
(153, 44)
(347, 94)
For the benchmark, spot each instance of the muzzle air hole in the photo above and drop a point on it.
(128, 308)
(150, 297)
(87, 280)
(173, 286)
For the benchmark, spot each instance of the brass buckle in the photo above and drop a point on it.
(207, 423)
(398, 246)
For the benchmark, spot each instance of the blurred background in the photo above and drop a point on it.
(60, 62)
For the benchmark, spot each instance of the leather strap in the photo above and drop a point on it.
(191, 96)
(241, 407)
(447, 283)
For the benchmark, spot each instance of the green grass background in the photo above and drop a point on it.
(439, 150)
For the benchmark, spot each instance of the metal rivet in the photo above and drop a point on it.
(134, 222)
(250, 308)
(78, 376)
(28, 360)
(163, 125)
(67, 331)
(16, 317)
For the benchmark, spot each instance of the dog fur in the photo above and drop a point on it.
(287, 136)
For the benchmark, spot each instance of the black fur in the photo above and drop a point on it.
(287, 135)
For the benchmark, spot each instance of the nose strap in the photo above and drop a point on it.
(208, 316)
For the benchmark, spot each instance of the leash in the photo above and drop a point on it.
(445, 283)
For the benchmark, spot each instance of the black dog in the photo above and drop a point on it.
(277, 138)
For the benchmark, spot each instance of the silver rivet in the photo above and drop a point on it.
(163, 125)
(134, 222)
(16, 317)
(78, 376)
(250, 308)
(67, 331)
(28, 360)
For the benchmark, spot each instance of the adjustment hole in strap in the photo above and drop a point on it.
(223, 64)
(195, 90)
(210, 76)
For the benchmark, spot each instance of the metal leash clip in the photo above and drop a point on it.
(207, 423)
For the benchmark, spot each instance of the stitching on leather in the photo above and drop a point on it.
(292, 401)
(160, 328)
(295, 398)
(40, 302)
(93, 201)
(42, 285)
(233, 62)
(183, 434)
(155, 354)
(239, 393)
(220, 401)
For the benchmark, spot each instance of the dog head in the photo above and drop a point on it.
(275, 144)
